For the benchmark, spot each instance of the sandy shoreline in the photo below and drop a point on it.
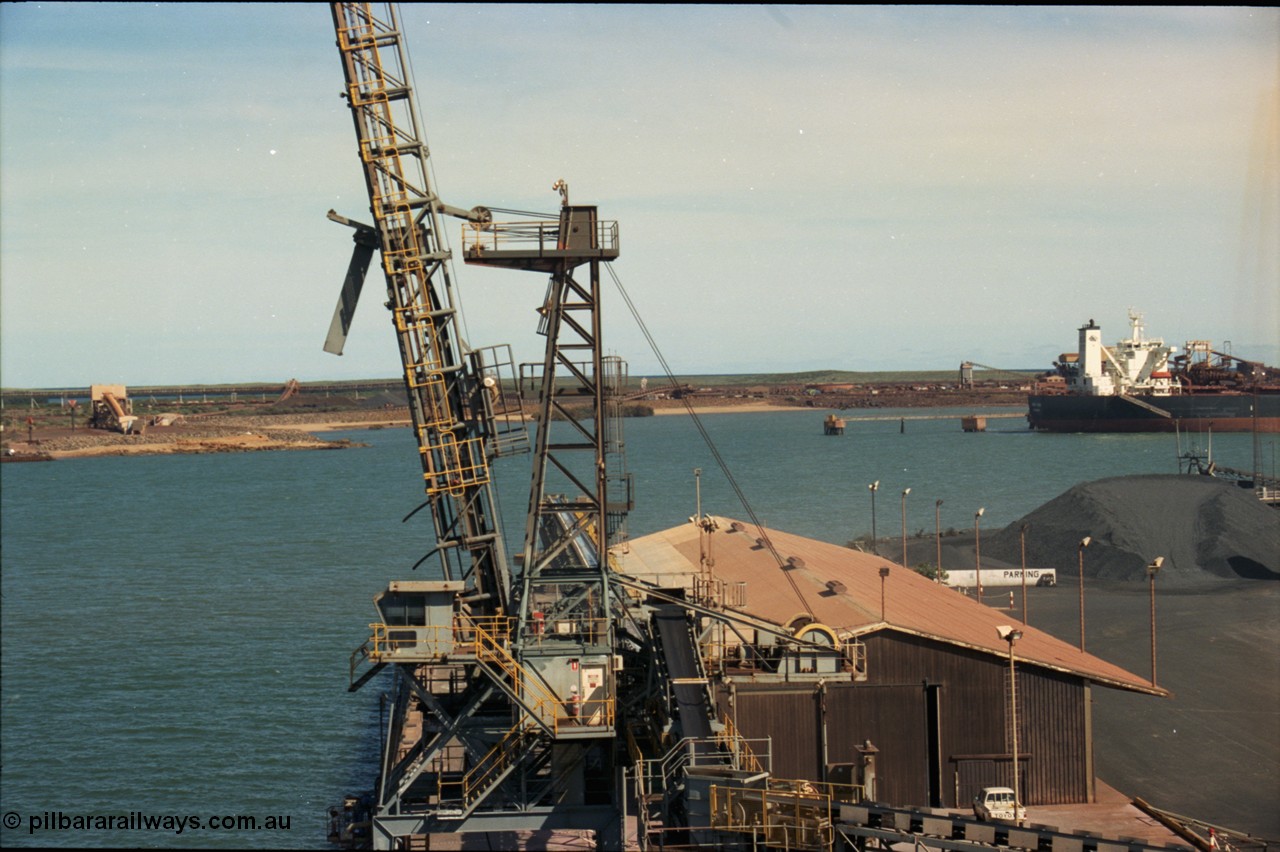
(250, 434)
(299, 431)
(197, 446)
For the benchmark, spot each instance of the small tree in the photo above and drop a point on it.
(931, 571)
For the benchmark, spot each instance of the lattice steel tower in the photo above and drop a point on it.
(503, 705)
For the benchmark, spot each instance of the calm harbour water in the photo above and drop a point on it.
(176, 628)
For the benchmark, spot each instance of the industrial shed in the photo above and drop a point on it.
(933, 696)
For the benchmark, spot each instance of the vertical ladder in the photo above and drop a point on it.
(445, 397)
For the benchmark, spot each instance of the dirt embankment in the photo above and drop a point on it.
(199, 437)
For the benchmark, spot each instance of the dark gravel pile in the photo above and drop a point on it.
(1206, 529)
(1212, 750)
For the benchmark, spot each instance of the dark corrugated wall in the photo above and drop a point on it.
(893, 710)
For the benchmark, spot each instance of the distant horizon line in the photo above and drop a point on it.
(817, 376)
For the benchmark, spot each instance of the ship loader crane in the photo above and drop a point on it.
(967, 378)
(552, 698)
(502, 707)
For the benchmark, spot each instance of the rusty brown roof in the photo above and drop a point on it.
(913, 604)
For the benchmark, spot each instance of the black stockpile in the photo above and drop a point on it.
(1205, 528)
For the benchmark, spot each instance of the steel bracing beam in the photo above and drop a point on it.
(463, 771)
(445, 397)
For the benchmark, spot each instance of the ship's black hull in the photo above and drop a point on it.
(1221, 412)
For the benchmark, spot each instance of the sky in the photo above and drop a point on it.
(797, 187)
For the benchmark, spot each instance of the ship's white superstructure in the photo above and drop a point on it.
(1136, 365)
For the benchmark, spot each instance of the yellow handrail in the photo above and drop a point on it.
(795, 818)
(493, 763)
(485, 639)
(744, 757)
(427, 639)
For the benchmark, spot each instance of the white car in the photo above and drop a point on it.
(997, 803)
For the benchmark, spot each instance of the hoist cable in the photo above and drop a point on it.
(529, 213)
(706, 437)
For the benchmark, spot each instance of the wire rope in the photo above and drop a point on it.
(530, 213)
(706, 437)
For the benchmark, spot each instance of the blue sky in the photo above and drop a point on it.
(858, 188)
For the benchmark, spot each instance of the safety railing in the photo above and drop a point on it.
(454, 465)
(744, 757)
(356, 663)
(389, 643)
(855, 655)
(657, 773)
(720, 593)
(421, 642)
(495, 629)
(489, 769)
(785, 814)
(437, 414)
(739, 658)
(541, 237)
(489, 648)
(495, 765)
(488, 639)
(654, 773)
(540, 628)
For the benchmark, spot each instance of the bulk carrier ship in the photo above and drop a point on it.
(1142, 385)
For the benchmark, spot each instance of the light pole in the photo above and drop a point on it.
(977, 549)
(704, 561)
(1151, 574)
(1011, 635)
(873, 488)
(884, 572)
(1023, 536)
(1084, 542)
(937, 527)
(905, 492)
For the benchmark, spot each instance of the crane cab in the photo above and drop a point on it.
(415, 621)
